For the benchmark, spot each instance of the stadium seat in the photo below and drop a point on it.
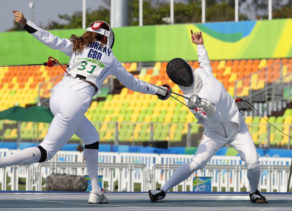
(19, 85)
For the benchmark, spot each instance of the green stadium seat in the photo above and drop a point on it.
(177, 137)
(278, 139)
(182, 119)
(143, 72)
(288, 112)
(175, 118)
(154, 119)
(262, 139)
(6, 134)
(129, 106)
(195, 128)
(255, 124)
(109, 97)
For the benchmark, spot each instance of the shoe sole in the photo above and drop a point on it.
(98, 203)
(260, 202)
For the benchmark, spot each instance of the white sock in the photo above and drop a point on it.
(253, 176)
(180, 175)
(91, 157)
(26, 156)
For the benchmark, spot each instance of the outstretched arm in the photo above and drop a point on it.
(203, 58)
(130, 81)
(44, 36)
(163, 92)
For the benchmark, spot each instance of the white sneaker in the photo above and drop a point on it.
(95, 198)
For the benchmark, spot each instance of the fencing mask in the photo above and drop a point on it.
(97, 28)
(180, 72)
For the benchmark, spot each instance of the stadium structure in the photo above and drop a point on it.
(143, 140)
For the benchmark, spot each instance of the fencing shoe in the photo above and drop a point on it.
(155, 195)
(95, 198)
(257, 197)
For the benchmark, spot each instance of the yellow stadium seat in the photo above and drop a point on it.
(285, 70)
(190, 117)
(263, 126)
(239, 84)
(176, 88)
(121, 118)
(148, 78)
(262, 63)
(147, 118)
(261, 84)
(272, 138)
(109, 135)
(244, 92)
(227, 71)
(168, 118)
(231, 91)
(185, 130)
(94, 104)
(171, 135)
(157, 66)
(13, 133)
(248, 119)
(107, 118)
(133, 66)
(288, 120)
(233, 77)
(254, 81)
(255, 138)
(221, 64)
(288, 79)
(134, 118)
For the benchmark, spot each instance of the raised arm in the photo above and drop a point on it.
(203, 58)
(44, 36)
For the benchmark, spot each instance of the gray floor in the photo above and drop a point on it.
(139, 201)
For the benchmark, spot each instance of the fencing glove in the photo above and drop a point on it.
(196, 102)
(163, 92)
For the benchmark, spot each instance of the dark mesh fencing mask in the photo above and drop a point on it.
(180, 72)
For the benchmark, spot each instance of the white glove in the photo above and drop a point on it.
(196, 102)
(208, 107)
(193, 101)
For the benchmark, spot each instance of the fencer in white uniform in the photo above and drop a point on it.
(215, 109)
(91, 62)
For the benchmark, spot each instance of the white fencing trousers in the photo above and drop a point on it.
(69, 102)
(211, 142)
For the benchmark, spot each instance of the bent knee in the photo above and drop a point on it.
(253, 164)
(45, 154)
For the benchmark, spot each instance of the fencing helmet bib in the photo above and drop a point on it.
(180, 72)
(96, 27)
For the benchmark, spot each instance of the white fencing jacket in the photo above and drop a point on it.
(208, 87)
(95, 62)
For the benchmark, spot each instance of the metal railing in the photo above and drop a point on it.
(121, 171)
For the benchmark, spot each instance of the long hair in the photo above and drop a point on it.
(79, 43)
